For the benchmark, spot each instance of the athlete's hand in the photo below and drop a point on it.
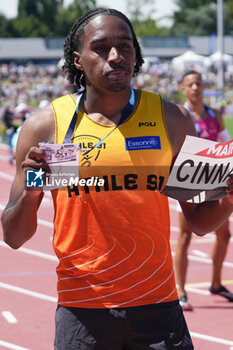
(35, 160)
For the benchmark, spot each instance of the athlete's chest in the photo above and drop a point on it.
(138, 141)
(207, 128)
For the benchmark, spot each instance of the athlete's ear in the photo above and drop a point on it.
(77, 60)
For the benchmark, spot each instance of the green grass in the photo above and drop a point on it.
(228, 121)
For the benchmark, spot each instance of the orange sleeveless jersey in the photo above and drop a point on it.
(112, 241)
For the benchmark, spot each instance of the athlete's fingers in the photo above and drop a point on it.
(35, 159)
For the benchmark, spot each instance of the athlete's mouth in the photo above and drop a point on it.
(117, 73)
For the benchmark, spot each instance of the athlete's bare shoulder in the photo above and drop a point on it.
(179, 124)
(40, 125)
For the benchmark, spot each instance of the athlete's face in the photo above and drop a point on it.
(193, 88)
(107, 55)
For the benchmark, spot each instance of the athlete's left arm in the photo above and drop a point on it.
(205, 217)
(208, 216)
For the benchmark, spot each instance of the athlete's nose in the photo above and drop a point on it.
(114, 55)
(195, 86)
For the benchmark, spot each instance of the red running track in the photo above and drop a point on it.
(28, 284)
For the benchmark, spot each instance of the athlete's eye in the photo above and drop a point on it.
(124, 46)
(100, 48)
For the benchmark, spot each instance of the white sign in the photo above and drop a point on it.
(200, 171)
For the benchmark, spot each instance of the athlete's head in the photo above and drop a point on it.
(75, 42)
(191, 72)
(193, 86)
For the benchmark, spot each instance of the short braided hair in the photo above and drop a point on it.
(74, 41)
(191, 72)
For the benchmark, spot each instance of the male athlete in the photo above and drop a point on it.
(116, 285)
(209, 125)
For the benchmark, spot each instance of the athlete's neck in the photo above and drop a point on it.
(197, 107)
(105, 108)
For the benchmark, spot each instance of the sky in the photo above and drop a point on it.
(162, 7)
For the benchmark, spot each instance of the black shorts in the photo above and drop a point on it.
(157, 327)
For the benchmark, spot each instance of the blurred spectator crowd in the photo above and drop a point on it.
(30, 83)
(165, 79)
(32, 86)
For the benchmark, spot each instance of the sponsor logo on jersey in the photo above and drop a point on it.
(142, 143)
(146, 124)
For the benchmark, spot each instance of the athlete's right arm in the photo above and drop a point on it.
(19, 218)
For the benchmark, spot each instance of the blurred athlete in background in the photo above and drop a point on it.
(209, 125)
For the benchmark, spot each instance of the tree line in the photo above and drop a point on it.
(44, 18)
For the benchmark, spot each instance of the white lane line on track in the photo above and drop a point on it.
(3, 157)
(8, 345)
(212, 339)
(40, 221)
(200, 253)
(174, 229)
(208, 260)
(2, 207)
(53, 299)
(6, 176)
(31, 252)
(206, 284)
(9, 317)
(27, 292)
(174, 207)
(205, 260)
(11, 178)
(197, 291)
(45, 223)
